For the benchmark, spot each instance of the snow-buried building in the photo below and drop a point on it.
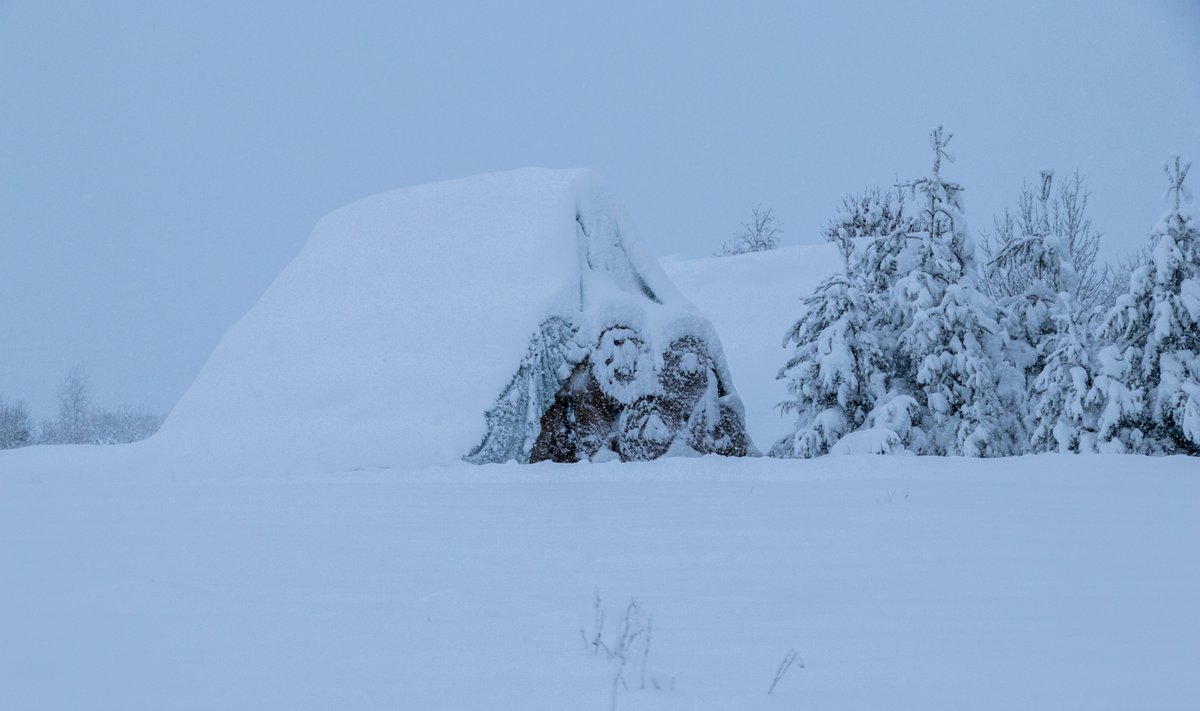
(509, 316)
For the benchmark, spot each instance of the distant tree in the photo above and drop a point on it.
(74, 424)
(1148, 385)
(123, 425)
(80, 422)
(760, 234)
(16, 429)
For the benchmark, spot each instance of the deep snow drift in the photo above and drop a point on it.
(408, 314)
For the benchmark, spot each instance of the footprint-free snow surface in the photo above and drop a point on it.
(1050, 582)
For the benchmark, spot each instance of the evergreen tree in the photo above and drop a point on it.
(954, 359)
(1062, 418)
(902, 349)
(1042, 273)
(1040, 261)
(838, 371)
(1148, 388)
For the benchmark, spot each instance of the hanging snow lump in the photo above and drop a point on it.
(508, 316)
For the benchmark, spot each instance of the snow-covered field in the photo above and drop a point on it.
(303, 534)
(1064, 582)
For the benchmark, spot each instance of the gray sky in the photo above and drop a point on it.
(161, 162)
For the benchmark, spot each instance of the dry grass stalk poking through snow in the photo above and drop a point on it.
(629, 641)
(792, 658)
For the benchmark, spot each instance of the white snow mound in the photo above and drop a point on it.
(405, 316)
(753, 300)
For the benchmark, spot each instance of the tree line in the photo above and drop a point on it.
(78, 419)
(927, 343)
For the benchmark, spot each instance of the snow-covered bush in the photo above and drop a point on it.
(16, 427)
(123, 425)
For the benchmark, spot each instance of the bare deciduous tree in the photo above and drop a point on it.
(760, 234)
(80, 422)
(1042, 212)
(74, 424)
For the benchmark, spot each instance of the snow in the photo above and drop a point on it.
(874, 440)
(359, 563)
(406, 314)
(1056, 581)
(753, 300)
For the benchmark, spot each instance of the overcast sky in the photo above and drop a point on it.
(161, 162)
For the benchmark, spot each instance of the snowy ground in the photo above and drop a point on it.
(903, 583)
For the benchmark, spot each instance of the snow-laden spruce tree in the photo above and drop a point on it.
(902, 352)
(838, 371)
(1061, 417)
(1148, 384)
(953, 352)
